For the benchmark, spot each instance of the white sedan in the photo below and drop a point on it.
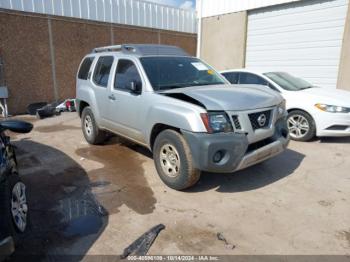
(312, 111)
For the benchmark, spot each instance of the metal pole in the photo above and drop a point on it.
(53, 59)
(199, 27)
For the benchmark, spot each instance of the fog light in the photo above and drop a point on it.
(218, 156)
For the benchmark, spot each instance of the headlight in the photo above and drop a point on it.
(216, 122)
(333, 109)
(282, 107)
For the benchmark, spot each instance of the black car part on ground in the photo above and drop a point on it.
(141, 245)
(47, 111)
(44, 109)
(32, 108)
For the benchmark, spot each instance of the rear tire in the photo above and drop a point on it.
(173, 160)
(301, 126)
(92, 133)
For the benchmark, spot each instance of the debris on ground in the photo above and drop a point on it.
(228, 245)
(47, 111)
(67, 105)
(32, 108)
(141, 245)
(43, 109)
(69, 189)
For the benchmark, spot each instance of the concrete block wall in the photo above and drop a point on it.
(42, 53)
(344, 66)
(224, 40)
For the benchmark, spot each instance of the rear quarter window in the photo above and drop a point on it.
(85, 68)
(102, 70)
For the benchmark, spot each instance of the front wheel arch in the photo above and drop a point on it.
(157, 129)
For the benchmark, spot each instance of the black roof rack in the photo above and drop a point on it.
(143, 49)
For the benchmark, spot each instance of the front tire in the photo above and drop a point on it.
(92, 133)
(301, 126)
(13, 207)
(173, 160)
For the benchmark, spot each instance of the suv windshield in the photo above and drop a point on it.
(177, 72)
(288, 82)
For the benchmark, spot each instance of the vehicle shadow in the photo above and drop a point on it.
(65, 217)
(334, 140)
(248, 179)
(115, 139)
(254, 177)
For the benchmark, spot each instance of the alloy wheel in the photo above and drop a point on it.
(298, 126)
(19, 207)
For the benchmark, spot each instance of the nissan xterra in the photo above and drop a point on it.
(180, 108)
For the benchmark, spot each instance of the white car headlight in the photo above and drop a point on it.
(332, 108)
(282, 107)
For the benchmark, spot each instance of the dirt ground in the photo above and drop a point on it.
(98, 199)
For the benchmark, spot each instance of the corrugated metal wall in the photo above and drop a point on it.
(219, 7)
(130, 12)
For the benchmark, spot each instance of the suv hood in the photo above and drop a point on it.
(230, 97)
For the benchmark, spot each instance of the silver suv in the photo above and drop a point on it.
(180, 108)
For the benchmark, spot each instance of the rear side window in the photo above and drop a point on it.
(232, 77)
(85, 68)
(102, 70)
(247, 78)
(125, 74)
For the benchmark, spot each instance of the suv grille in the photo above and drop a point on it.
(260, 119)
(259, 144)
(236, 122)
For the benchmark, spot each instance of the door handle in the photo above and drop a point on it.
(111, 97)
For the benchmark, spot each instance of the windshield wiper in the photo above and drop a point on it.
(306, 87)
(207, 84)
(169, 87)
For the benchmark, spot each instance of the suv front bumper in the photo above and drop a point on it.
(7, 247)
(234, 150)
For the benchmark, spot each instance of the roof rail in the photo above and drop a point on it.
(143, 49)
(107, 48)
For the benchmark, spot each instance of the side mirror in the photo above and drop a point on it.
(135, 87)
(16, 126)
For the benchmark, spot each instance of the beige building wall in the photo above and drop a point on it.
(344, 67)
(223, 40)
